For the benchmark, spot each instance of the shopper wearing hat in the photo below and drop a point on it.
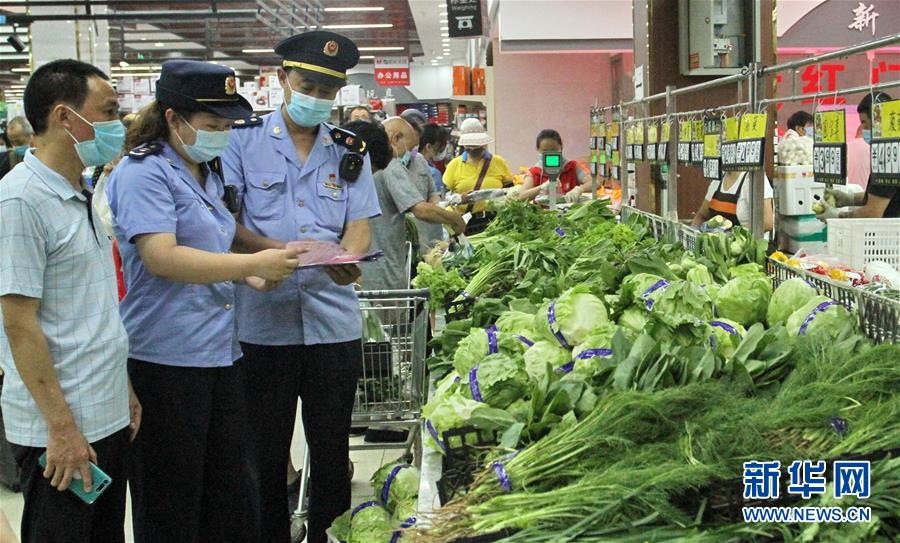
(190, 480)
(475, 169)
(298, 178)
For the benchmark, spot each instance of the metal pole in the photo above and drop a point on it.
(623, 165)
(672, 157)
(757, 217)
(861, 48)
(851, 90)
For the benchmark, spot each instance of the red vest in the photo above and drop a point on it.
(568, 178)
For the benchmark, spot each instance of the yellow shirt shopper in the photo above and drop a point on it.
(462, 173)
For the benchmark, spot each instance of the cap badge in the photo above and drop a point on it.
(230, 85)
(331, 48)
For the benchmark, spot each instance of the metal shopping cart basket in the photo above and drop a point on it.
(392, 389)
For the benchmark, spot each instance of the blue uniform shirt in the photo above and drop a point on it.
(284, 199)
(176, 324)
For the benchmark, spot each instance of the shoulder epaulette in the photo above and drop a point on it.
(348, 139)
(142, 151)
(253, 120)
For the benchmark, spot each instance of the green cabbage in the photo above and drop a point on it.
(520, 410)
(577, 313)
(600, 338)
(682, 302)
(371, 525)
(635, 285)
(745, 299)
(787, 298)
(723, 341)
(500, 381)
(404, 512)
(474, 347)
(452, 412)
(751, 268)
(517, 322)
(542, 353)
(830, 320)
(340, 528)
(699, 275)
(404, 487)
(634, 319)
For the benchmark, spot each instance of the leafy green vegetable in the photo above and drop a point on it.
(340, 528)
(634, 319)
(820, 315)
(790, 296)
(477, 345)
(403, 487)
(498, 380)
(726, 336)
(542, 353)
(575, 314)
(745, 299)
(370, 525)
(440, 282)
(682, 303)
(517, 322)
(452, 411)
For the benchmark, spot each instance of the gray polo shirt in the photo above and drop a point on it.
(397, 194)
(49, 251)
(420, 174)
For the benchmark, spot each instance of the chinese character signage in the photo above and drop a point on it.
(830, 147)
(392, 71)
(684, 142)
(729, 144)
(886, 143)
(863, 17)
(464, 18)
(762, 480)
(697, 143)
(639, 141)
(712, 138)
(652, 138)
(662, 148)
(749, 150)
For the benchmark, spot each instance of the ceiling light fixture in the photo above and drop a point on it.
(263, 51)
(133, 68)
(355, 26)
(382, 48)
(444, 29)
(123, 64)
(159, 44)
(21, 70)
(367, 57)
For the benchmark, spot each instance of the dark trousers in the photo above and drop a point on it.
(324, 377)
(51, 516)
(190, 476)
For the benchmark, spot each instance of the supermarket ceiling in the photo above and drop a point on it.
(235, 32)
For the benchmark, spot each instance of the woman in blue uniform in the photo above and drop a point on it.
(296, 180)
(190, 480)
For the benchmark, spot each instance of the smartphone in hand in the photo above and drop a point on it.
(100, 480)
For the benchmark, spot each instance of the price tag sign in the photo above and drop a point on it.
(728, 147)
(639, 141)
(612, 135)
(712, 139)
(652, 138)
(662, 148)
(629, 152)
(886, 143)
(751, 147)
(697, 143)
(830, 147)
(684, 142)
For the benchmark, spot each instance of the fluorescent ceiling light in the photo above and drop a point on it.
(17, 86)
(21, 70)
(350, 27)
(382, 48)
(159, 44)
(444, 28)
(251, 51)
(123, 64)
(133, 68)
(364, 57)
(372, 8)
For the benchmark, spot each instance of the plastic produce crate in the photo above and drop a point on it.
(856, 242)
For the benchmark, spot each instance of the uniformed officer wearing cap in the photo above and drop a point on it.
(190, 481)
(299, 178)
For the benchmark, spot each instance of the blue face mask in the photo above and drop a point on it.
(406, 158)
(308, 111)
(20, 150)
(208, 145)
(867, 136)
(109, 137)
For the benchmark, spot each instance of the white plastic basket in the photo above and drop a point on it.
(856, 242)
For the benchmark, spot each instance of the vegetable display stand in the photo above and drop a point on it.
(856, 242)
(688, 236)
(463, 456)
(879, 316)
(660, 227)
(459, 307)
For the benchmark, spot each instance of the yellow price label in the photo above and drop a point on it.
(629, 135)
(830, 126)
(698, 131)
(753, 126)
(684, 131)
(613, 130)
(639, 133)
(653, 133)
(732, 128)
(886, 120)
(666, 131)
(711, 145)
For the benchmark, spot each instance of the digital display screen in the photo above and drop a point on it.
(551, 161)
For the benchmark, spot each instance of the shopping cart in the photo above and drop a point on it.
(392, 388)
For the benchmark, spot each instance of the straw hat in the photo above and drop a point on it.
(472, 134)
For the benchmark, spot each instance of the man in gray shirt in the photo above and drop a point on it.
(399, 192)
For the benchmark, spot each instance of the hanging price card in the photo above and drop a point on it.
(629, 143)
(639, 141)
(886, 143)
(728, 147)
(612, 136)
(712, 130)
(662, 148)
(751, 146)
(652, 138)
(684, 142)
(697, 143)
(830, 147)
